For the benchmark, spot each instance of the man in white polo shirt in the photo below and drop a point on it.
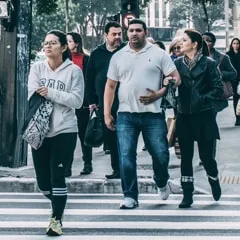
(139, 68)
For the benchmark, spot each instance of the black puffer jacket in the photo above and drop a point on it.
(199, 86)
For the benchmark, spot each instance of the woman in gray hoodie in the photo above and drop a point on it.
(60, 81)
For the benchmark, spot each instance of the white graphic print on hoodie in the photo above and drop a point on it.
(65, 90)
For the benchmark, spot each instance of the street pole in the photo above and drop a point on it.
(67, 15)
(226, 9)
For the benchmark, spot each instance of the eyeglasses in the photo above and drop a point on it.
(176, 48)
(208, 40)
(51, 43)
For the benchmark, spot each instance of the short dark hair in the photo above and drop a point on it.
(138, 21)
(111, 24)
(160, 44)
(211, 35)
(196, 36)
(62, 37)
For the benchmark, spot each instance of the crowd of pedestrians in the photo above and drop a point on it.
(125, 83)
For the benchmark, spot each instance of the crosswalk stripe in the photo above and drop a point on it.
(98, 217)
(117, 201)
(127, 225)
(125, 237)
(135, 212)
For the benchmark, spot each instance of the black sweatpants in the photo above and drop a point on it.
(50, 162)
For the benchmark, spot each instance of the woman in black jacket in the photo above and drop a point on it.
(196, 118)
(234, 54)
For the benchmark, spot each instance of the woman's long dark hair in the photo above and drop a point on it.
(230, 46)
(62, 37)
(77, 38)
(196, 36)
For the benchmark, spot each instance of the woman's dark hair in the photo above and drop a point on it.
(62, 37)
(196, 36)
(160, 44)
(230, 47)
(77, 38)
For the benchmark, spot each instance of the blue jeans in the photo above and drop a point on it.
(154, 131)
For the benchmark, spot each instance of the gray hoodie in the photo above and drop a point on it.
(65, 90)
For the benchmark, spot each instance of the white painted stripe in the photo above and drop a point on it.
(117, 201)
(127, 225)
(113, 195)
(111, 237)
(115, 212)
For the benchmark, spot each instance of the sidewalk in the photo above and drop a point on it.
(228, 158)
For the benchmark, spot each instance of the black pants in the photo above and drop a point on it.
(236, 97)
(111, 138)
(50, 162)
(82, 118)
(207, 149)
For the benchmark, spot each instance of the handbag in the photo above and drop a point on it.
(94, 132)
(171, 126)
(238, 108)
(38, 126)
(227, 85)
(169, 98)
(227, 90)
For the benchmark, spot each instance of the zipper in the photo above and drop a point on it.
(191, 97)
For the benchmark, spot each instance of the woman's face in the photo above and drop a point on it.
(187, 45)
(235, 45)
(71, 44)
(52, 47)
(177, 49)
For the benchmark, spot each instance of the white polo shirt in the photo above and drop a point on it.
(137, 71)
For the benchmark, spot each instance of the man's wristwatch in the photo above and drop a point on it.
(165, 86)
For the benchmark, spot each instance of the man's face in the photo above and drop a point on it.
(114, 37)
(136, 35)
(209, 42)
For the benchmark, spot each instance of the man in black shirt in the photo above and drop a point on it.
(96, 80)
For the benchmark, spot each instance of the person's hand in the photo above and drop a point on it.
(92, 107)
(169, 80)
(150, 98)
(110, 123)
(43, 91)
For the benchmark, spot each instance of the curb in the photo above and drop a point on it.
(145, 185)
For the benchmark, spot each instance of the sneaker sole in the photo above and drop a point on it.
(124, 207)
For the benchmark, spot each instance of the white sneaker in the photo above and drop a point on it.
(128, 203)
(164, 192)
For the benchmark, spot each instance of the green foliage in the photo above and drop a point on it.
(185, 10)
(51, 14)
(46, 6)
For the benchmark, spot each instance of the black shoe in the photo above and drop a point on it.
(68, 172)
(107, 151)
(144, 148)
(115, 174)
(237, 123)
(187, 201)
(216, 189)
(87, 169)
